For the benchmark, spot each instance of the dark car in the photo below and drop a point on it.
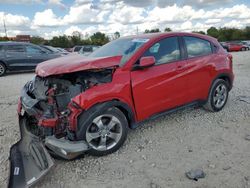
(54, 50)
(89, 104)
(76, 48)
(88, 49)
(19, 56)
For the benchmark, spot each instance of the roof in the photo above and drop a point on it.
(13, 43)
(159, 35)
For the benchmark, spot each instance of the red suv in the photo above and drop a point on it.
(76, 104)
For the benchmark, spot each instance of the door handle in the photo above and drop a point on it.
(29, 56)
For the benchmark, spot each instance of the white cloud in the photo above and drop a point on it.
(20, 1)
(57, 3)
(14, 20)
(128, 16)
(84, 14)
(47, 18)
(125, 14)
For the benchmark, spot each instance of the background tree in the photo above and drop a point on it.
(37, 40)
(213, 32)
(157, 30)
(199, 32)
(116, 35)
(60, 41)
(167, 29)
(99, 38)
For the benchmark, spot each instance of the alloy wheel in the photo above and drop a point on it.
(220, 95)
(104, 132)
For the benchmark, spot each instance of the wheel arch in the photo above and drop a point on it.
(226, 77)
(123, 107)
(4, 63)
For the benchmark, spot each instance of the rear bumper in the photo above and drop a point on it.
(29, 160)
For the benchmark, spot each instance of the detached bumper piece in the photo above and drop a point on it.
(65, 148)
(29, 160)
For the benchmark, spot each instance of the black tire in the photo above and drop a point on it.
(243, 49)
(210, 104)
(2, 69)
(85, 127)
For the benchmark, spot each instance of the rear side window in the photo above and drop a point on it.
(15, 48)
(197, 47)
(165, 51)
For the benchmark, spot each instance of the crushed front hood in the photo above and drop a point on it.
(75, 63)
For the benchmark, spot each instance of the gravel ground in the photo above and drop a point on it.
(159, 153)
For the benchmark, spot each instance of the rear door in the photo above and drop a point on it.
(161, 86)
(200, 59)
(16, 57)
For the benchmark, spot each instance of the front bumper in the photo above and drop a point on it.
(29, 160)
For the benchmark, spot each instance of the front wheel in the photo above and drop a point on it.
(106, 133)
(218, 96)
(243, 49)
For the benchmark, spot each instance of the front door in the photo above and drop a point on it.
(162, 86)
(35, 55)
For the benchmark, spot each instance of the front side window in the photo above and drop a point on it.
(15, 48)
(165, 51)
(33, 50)
(197, 47)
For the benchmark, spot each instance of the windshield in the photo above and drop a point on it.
(124, 47)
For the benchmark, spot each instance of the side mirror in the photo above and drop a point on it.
(146, 62)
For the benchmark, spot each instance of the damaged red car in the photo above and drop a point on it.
(77, 104)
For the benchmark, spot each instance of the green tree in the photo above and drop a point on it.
(199, 32)
(117, 35)
(167, 29)
(37, 40)
(99, 38)
(61, 41)
(213, 32)
(157, 30)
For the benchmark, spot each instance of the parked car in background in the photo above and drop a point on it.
(236, 46)
(19, 56)
(63, 51)
(79, 104)
(88, 49)
(225, 45)
(76, 48)
(246, 43)
(52, 49)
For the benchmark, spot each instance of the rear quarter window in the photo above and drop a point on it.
(197, 47)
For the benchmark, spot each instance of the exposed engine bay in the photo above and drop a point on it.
(46, 100)
(46, 114)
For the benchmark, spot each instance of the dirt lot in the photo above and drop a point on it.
(159, 153)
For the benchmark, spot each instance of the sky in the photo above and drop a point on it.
(48, 18)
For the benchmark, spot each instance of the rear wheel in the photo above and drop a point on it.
(2, 69)
(243, 49)
(106, 133)
(218, 96)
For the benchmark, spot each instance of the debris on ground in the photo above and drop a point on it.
(243, 98)
(247, 137)
(195, 174)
